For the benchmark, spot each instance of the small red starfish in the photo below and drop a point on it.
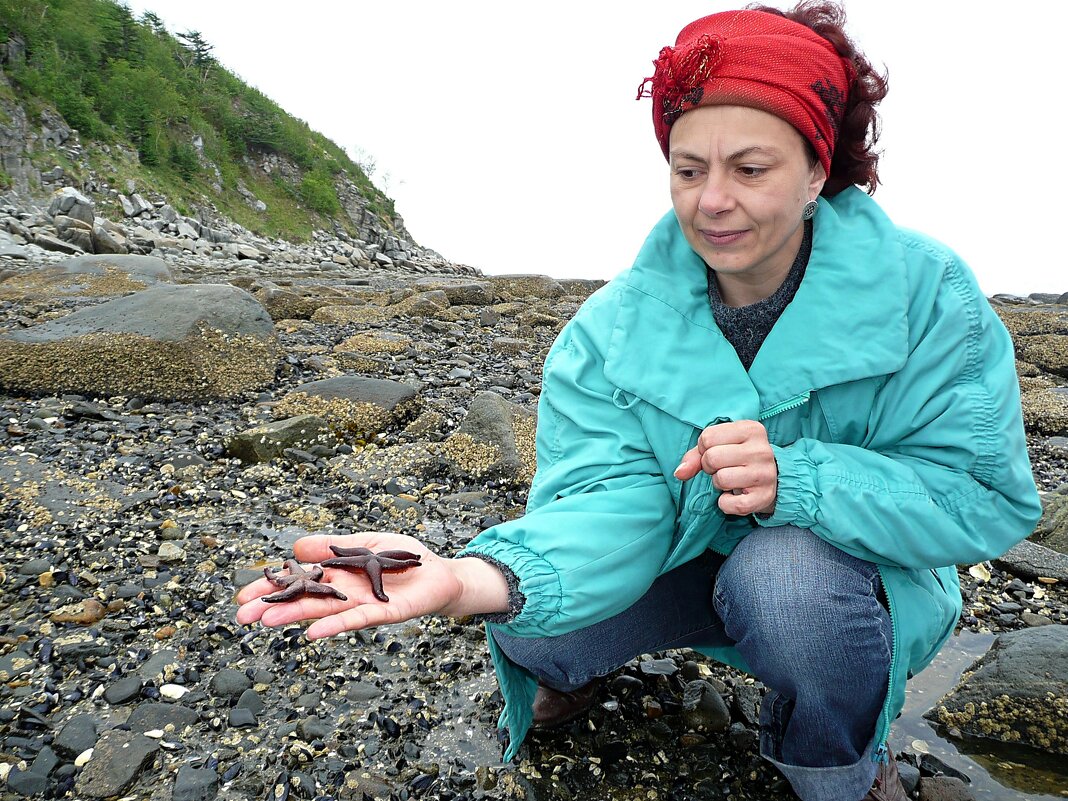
(373, 564)
(298, 582)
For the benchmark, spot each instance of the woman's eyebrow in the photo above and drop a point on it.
(751, 151)
(737, 155)
(683, 154)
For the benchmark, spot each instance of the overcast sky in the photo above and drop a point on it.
(510, 138)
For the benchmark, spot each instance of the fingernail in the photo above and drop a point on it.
(677, 471)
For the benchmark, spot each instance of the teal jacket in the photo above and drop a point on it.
(889, 393)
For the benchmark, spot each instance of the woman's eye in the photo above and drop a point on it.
(686, 173)
(752, 172)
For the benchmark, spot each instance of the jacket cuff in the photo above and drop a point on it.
(539, 584)
(797, 499)
(516, 599)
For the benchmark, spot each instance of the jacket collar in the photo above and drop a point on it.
(848, 320)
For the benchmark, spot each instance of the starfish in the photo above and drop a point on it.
(373, 564)
(298, 582)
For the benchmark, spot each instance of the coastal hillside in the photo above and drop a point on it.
(96, 99)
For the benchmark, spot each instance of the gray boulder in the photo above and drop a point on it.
(108, 241)
(1030, 561)
(48, 242)
(148, 270)
(72, 203)
(353, 405)
(168, 342)
(118, 759)
(516, 287)
(1016, 693)
(496, 439)
(271, 440)
(1052, 529)
(134, 205)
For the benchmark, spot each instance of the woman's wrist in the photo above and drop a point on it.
(484, 589)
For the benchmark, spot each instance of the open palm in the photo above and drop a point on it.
(424, 590)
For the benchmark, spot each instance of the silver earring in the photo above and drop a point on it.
(809, 211)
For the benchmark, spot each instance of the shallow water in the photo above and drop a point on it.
(998, 773)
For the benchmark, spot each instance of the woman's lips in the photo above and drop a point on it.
(722, 237)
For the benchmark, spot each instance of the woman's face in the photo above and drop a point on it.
(740, 178)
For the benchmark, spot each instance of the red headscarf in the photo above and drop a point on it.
(754, 59)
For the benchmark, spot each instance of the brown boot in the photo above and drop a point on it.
(554, 708)
(887, 786)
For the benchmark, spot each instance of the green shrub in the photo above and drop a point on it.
(183, 158)
(318, 193)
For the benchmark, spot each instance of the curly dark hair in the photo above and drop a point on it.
(855, 159)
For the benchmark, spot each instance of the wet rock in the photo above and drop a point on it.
(195, 784)
(745, 704)
(526, 286)
(359, 785)
(118, 758)
(158, 664)
(229, 683)
(77, 735)
(251, 700)
(123, 691)
(1030, 560)
(1052, 529)
(944, 788)
(313, 728)
(270, 440)
(353, 405)
(49, 493)
(27, 782)
(286, 304)
(704, 708)
(496, 438)
(909, 775)
(170, 552)
(146, 270)
(242, 718)
(150, 715)
(474, 294)
(1017, 692)
(930, 765)
(1049, 352)
(170, 342)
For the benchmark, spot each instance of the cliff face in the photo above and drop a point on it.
(121, 111)
(41, 154)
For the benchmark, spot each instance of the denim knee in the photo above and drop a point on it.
(791, 595)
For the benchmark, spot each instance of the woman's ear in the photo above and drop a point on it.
(816, 182)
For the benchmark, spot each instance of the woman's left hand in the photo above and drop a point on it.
(739, 458)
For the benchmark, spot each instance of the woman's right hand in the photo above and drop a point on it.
(438, 586)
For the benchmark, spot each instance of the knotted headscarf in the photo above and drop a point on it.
(754, 59)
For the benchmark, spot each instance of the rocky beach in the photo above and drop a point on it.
(178, 412)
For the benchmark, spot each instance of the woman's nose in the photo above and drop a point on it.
(715, 198)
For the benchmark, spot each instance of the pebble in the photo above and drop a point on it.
(195, 784)
(124, 690)
(241, 717)
(172, 692)
(229, 683)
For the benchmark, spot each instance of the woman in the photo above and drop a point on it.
(771, 440)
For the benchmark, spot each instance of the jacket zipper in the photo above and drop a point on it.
(786, 405)
(881, 751)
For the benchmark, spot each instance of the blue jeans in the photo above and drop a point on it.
(806, 617)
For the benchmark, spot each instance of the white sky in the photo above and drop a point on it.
(512, 140)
